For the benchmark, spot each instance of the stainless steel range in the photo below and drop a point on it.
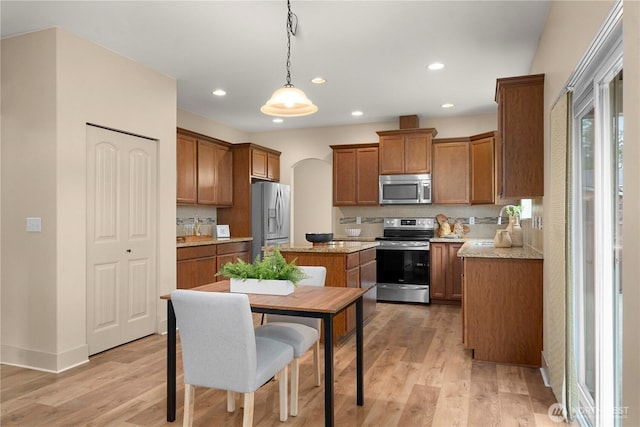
(403, 260)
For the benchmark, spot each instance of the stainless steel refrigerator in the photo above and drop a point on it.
(270, 211)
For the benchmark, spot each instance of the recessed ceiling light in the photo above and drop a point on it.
(277, 120)
(447, 105)
(219, 92)
(436, 66)
(318, 80)
(357, 113)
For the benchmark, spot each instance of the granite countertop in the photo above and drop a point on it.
(472, 249)
(209, 240)
(447, 240)
(345, 247)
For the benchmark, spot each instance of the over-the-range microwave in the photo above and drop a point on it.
(405, 189)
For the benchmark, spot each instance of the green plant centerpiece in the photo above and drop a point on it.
(514, 211)
(263, 274)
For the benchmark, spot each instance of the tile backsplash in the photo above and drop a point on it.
(483, 225)
(185, 219)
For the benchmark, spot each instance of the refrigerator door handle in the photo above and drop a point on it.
(282, 214)
(278, 210)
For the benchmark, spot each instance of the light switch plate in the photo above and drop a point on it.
(34, 225)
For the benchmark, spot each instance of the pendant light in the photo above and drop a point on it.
(289, 101)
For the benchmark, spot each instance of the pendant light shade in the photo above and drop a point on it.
(289, 101)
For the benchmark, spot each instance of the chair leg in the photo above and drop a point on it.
(189, 400)
(283, 394)
(247, 417)
(295, 378)
(231, 401)
(316, 363)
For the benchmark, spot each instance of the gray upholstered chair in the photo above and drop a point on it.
(220, 350)
(299, 332)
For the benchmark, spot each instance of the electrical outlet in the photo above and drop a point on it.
(472, 220)
(358, 220)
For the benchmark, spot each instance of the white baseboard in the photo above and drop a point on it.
(544, 371)
(43, 361)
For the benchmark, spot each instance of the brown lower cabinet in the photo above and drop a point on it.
(198, 265)
(353, 270)
(502, 309)
(445, 284)
(231, 252)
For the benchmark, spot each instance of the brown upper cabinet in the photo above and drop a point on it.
(215, 172)
(521, 136)
(265, 165)
(187, 169)
(451, 171)
(482, 162)
(464, 170)
(405, 151)
(204, 170)
(250, 162)
(355, 175)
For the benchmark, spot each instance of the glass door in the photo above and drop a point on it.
(599, 139)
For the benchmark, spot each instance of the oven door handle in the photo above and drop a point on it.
(403, 286)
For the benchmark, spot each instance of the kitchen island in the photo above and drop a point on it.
(349, 264)
(502, 302)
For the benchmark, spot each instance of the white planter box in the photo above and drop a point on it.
(268, 287)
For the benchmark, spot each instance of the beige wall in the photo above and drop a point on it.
(53, 83)
(197, 123)
(28, 189)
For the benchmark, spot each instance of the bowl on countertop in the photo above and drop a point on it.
(319, 237)
(352, 232)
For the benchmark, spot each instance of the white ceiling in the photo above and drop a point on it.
(373, 54)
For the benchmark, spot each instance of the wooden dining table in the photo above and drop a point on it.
(306, 301)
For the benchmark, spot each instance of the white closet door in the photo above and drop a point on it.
(121, 238)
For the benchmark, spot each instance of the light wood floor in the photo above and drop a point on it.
(417, 373)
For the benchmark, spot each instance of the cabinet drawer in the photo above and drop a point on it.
(353, 260)
(196, 252)
(367, 255)
(232, 248)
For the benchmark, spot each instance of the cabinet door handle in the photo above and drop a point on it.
(129, 251)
